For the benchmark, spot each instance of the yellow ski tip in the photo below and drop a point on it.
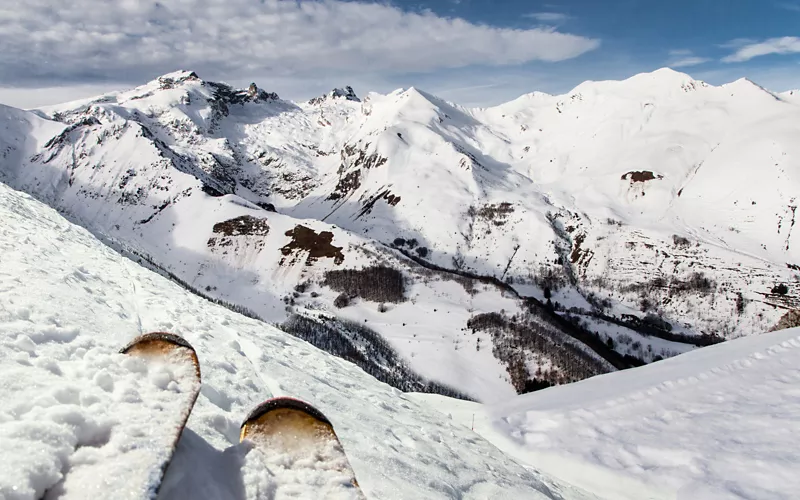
(158, 344)
(285, 415)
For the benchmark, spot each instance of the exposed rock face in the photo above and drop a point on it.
(174, 79)
(347, 93)
(225, 94)
(255, 94)
(789, 320)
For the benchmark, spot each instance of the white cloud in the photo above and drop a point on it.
(689, 61)
(26, 98)
(682, 58)
(737, 43)
(747, 51)
(548, 17)
(131, 40)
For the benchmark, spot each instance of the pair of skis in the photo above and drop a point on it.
(300, 436)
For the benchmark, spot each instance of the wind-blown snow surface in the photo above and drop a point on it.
(68, 303)
(719, 423)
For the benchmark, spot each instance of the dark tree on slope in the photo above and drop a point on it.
(341, 300)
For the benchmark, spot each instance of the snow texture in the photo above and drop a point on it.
(68, 303)
(112, 434)
(722, 422)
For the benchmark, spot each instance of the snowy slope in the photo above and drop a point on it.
(129, 176)
(656, 209)
(721, 422)
(68, 304)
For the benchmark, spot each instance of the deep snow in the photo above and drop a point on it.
(721, 422)
(68, 303)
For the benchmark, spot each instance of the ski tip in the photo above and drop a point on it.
(156, 341)
(260, 414)
(158, 344)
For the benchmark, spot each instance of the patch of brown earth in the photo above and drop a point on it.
(641, 176)
(789, 320)
(245, 225)
(318, 245)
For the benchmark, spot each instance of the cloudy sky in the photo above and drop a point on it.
(476, 52)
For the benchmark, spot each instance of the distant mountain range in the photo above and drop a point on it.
(541, 241)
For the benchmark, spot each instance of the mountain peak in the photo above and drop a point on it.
(663, 81)
(177, 78)
(748, 85)
(224, 93)
(170, 80)
(347, 93)
(662, 76)
(668, 72)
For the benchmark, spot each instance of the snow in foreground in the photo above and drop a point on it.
(67, 304)
(718, 423)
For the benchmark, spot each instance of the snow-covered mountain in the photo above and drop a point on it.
(67, 305)
(720, 422)
(651, 214)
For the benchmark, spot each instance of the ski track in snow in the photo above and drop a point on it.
(67, 306)
(719, 423)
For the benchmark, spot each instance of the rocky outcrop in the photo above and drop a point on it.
(338, 93)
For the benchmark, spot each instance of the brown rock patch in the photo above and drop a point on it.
(641, 176)
(228, 231)
(246, 224)
(318, 245)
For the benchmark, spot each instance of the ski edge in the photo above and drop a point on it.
(161, 342)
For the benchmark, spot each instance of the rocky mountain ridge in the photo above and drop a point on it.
(654, 214)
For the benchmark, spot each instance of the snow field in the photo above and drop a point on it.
(67, 304)
(721, 422)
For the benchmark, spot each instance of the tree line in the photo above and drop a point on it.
(375, 283)
(518, 340)
(366, 349)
